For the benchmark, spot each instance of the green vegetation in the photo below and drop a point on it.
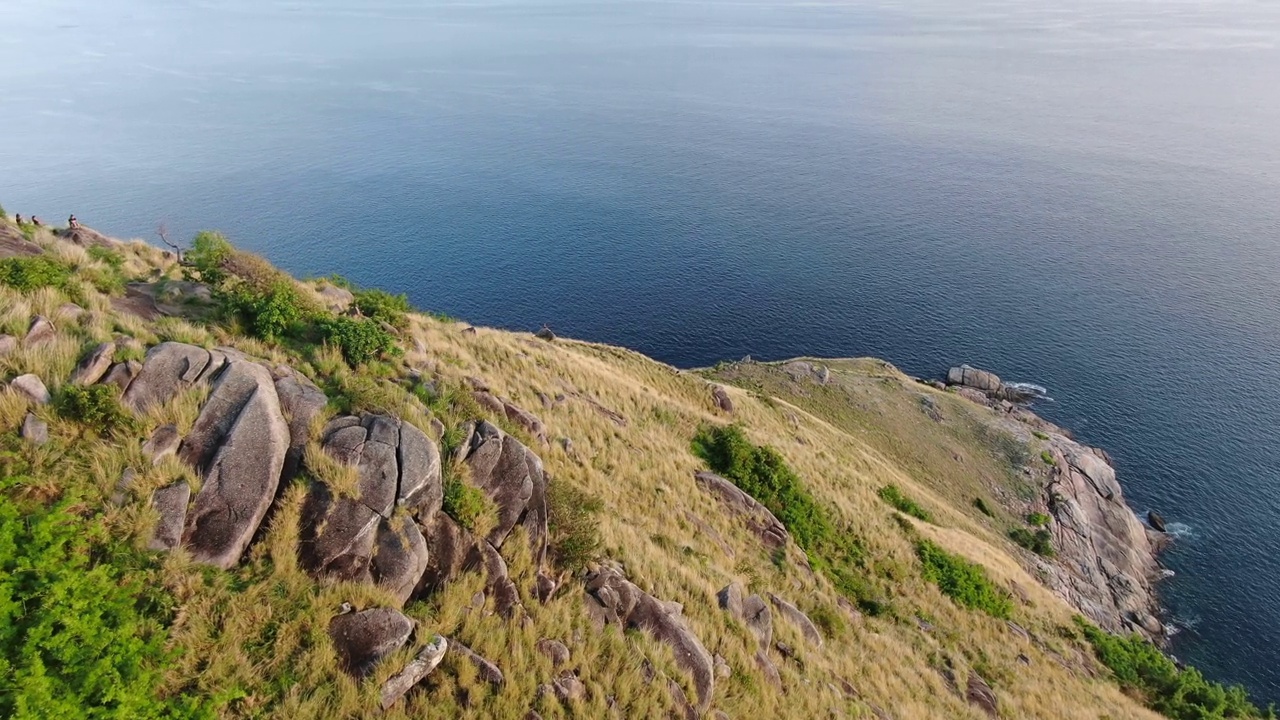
(32, 273)
(1047, 457)
(380, 305)
(465, 503)
(962, 581)
(1038, 519)
(95, 407)
(892, 495)
(1141, 668)
(270, 312)
(82, 619)
(1039, 435)
(1038, 542)
(762, 473)
(572, 525)
(982, 507)
(209, 253)
(359, 339)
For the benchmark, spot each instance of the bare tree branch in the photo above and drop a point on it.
(163, 232)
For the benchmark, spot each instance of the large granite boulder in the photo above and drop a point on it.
(122, 374)
(238, 444)
(796, 617)
(987, 382)
(32, 388)
(39, 332)
(1106, 563)
(171, 503)
(512, 476)
(750, 609)
(980, 695)
(363, 639)
(758, 518)
(611, 598)
(168, 369)
(302, 403)
(13, 244)
(402, 682)
(397, 464)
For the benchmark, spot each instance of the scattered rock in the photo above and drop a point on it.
(527, 420)
(967, 376)
(555, 650)
(1156, 521)
(123, 487)
(979, 693)
(569, 688)
(68, 311)
(336, 299)
(39, 332)
(545, 334)
(164, 441)
(768, 669)
(761, 522)
(121, 374)
(171, 503)
(34, 430)
(487, 670)
(468, 330)
(364, 638)
(611, 598)
(794, 615)
(238, 443)
(94, 365)
(8, 344)
(681, 701)
(721, 396)
(723, 671)
(32, 388)
(1018, 630)
(427, 659)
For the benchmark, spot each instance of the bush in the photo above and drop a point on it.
(1047, 457)
(94, 406)
(359, 339)
(82, 617)
(207, 258)
(1038, 519)
(32, 273)
(382, 305)
(982, 507)
(1140, 667)
(964, 582)
(1038, 542)
(762, 473)
(892, 495)
(465, 503)
(270, 313)
(572, 525)
(107, 256)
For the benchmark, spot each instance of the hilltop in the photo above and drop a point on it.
(230, 493)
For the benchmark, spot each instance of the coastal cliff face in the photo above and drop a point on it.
(479, 523)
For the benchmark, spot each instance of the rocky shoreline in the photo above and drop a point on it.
(1106, 563)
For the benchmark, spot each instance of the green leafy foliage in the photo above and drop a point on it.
(82, 623)
(359, 339)
(382, 305)
(1140, 667)
(573, 525)
(32, 273)
(892, 495)
(270, 312)
(964, 582)
(465, 503)
(207, 258)
(107, 256)
(1038, 519)
(1047, 457)
(94, 406)
(1039, 542)
(762, 473)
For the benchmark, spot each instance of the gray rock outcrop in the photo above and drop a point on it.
(721, 398)
(980, 695)
(987, 382)
(612, 599)
(238, 444)
(512, 476)
(122, 374)
(402, 682)
(171, 503)
(363, 639)
(94, 365)
(34, 430)
(796, 617)
(168, 369)
(759, 519)
(486, 670)
(302, 402)
(40, 331)
(163, 442)
(750, 609)
(32, 388)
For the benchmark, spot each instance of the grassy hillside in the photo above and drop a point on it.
(94, 624)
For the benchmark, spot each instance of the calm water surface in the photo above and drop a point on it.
(1084, 195)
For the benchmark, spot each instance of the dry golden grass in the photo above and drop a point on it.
(255, 637)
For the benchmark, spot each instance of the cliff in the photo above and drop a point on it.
(260, 497)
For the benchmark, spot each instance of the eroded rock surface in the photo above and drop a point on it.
(94, 365)
(32, 388)
(796, 617)
(759, 519)
(171, 503)
(362, 639)
(512, 476)
(426, 660)
(611, 598)
(168, 369)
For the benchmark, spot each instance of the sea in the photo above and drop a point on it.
(1081, 194)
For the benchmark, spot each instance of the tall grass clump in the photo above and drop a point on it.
(892, 495)
(964, 582)
(32, 273)
(573, 525)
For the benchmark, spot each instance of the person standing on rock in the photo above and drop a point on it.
(72, 223)
(17, 218)
(36, 221)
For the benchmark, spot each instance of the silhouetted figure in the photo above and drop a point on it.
(72, 222)
(17, 217)
(36, 221)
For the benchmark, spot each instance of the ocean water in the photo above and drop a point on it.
(1084, 195)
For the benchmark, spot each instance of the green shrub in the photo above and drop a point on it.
(107, 256)
(762, 473)
(982, 507)
(828, 619)
(382, 305)
(1140, 667)
(94, 406)
(359, 339)
(1039, 542)
(1038, 519)
(270, 313)
(1039, 435)
(82, 616)
(207, 258)
(964, 582)
(573, 525)
(32, 273)
(465, 503)
(1047, 457)
(892, 495)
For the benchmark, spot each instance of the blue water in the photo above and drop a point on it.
(1084, 195)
